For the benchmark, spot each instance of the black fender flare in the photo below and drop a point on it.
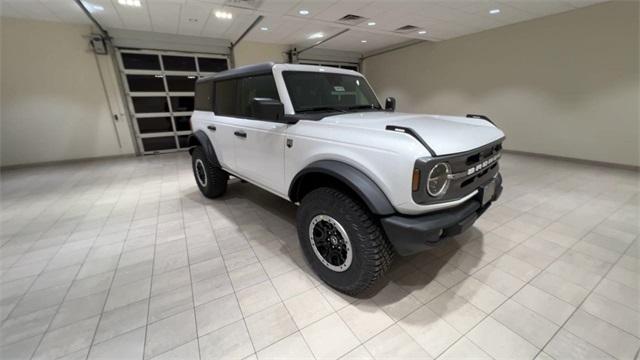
(199, 138)
(353, 178)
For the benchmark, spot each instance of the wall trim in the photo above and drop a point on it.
(574, 160)
(65, 162)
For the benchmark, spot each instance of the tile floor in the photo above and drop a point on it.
(124, 259)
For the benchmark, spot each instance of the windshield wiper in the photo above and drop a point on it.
(321, 108)
(369, 106)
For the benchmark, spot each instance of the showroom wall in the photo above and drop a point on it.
(54, 106)
(53, 102)
(564, 85)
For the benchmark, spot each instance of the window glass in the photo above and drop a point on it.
(262, 86)
(179, 63)
(225, 97)
(145, 83)
(212, 65)
(154, 124)
(183, 123)
(182, 103)
(181, 83)
(150, 104)
(140, 61)
(317, 91)
(204, 96)
(159, 143)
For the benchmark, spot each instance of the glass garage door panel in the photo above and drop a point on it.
(149, 125)
(160, 87)
(141, 83)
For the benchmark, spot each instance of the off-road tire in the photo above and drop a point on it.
(372, 252)
(215, 179)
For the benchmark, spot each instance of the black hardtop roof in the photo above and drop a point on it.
(242, 71)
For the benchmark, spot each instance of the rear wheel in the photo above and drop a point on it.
(342, 240)
(211, 179)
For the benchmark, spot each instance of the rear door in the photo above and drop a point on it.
(259, 143)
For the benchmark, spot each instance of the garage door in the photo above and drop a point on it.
(160, 87)
(341, 65)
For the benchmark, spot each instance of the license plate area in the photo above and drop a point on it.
(487, 192)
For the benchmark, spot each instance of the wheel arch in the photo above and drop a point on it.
(199, 138)
(334, 173)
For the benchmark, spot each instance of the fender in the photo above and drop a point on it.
(353, 178)
(199, 138)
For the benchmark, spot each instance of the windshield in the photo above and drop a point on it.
(320, 91)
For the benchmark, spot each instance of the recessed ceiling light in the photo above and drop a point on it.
(494, 11)
(422, 32)
(193, 20)
(264, 28)
(363, 41)
(371, 23)
(134, 3)
(223, 15)
(303, 12)
(317, 35)
(92, 7)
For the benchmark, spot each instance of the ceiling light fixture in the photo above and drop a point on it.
(371, 23)
(317, 35)
(264, 28)
(303, 12)
(494, 11)
(92, 7)
(134, 3)
(224, 15)
(422, 32)
(363, 41)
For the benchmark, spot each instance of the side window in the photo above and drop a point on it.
(261, 86)
(204, 96)
(225, 97)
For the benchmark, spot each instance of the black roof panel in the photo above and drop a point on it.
(242, 71)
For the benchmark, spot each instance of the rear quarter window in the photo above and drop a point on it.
(204, 96)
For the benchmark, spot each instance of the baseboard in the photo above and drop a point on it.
(574, 160)
(65, 162)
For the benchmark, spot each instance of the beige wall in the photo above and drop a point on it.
(565, 85)
(248, 52)
(53, 105)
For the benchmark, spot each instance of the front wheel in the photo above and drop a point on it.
(342, 240)
(211, 179)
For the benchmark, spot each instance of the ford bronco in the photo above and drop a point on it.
(369, 181)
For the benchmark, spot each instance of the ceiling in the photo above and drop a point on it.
(440, 19)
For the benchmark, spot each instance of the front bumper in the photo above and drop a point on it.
(412, 234)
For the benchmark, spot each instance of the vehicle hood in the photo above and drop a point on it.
(443, 134)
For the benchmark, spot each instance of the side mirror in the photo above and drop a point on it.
(390, 104)
(267, 109)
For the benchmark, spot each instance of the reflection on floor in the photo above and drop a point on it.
(124, 259)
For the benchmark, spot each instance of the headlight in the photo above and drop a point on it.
(438, 180)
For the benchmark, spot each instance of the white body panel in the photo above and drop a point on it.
(358, 139)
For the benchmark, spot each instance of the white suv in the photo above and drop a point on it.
(368, 180)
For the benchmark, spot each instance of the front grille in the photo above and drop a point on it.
(463, 182)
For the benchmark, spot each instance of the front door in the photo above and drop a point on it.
(259, 144)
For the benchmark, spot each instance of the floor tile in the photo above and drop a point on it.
(500, 342)
(464, 349)
(217, 314)
(394, 342)
(229, 342)
(456, 311)
(291, 283)
(66, 340)
(481, 296)
(565, 345)
(603, 335)
(121, 320)
(257, 297)
(188, 351)
(23, 327)
(365, 319)
(128, 294)
(545, 304)
(169, 333)
(526, 323)
(126, 346)
(433, 333)
(269, 326)
(308, 307)
(330, 330)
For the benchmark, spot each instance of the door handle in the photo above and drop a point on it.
(211, 127)
(240, 133)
